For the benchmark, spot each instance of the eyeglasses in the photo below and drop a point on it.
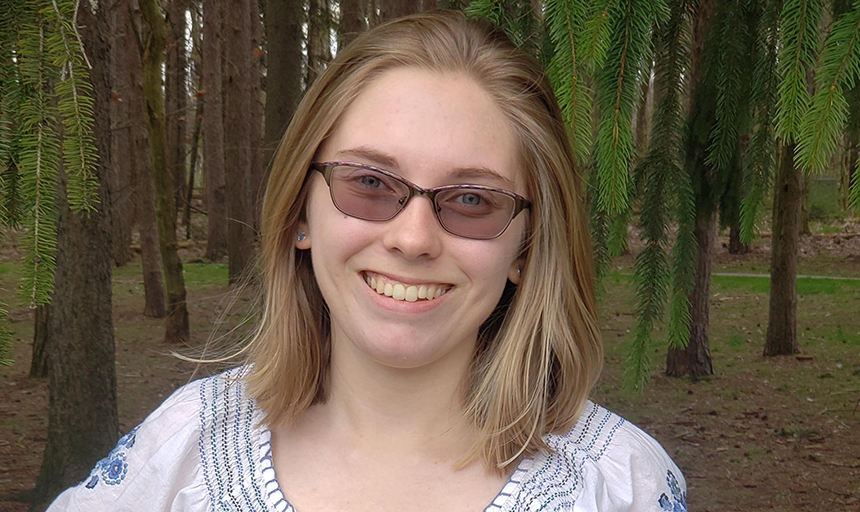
(470, 211)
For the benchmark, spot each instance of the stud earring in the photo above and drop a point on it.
(302, 236)
(520, 271)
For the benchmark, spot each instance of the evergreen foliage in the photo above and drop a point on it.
(759, 156)
(46, 119)
(799, 40)
(616, 84)
(566, 20)
(666, 194)
(837, 70)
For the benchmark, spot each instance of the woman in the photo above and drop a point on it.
(429, 336)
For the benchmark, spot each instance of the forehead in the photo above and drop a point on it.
(424, 125)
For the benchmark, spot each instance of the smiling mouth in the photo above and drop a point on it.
(406, 292)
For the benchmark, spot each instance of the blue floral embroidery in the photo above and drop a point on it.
(113, 469)
(678, 501)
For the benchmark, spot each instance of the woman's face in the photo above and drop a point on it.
(432, 129)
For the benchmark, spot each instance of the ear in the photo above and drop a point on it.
(303, 236)
(515, 274)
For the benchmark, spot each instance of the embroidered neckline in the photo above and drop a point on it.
(276, 498)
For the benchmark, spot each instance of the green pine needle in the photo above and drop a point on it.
(799, 39)
(839, 66)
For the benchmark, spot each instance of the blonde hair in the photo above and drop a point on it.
(539, 353)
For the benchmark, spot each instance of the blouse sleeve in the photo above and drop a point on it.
(634, 474)
(155, 467)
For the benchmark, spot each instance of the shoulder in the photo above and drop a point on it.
(603, 463)
(170, 459)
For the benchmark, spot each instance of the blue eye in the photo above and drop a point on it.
(470, 199)
(371, 181)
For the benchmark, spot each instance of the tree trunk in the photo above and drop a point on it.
(176, 324)
(851, 140)
(39, 360)
(393, 9)
(284, 71)
(257, 172)
(123, 175)
(237, 154)
(176, 96)
(640, 122)
(319, 39)
(848, 166)
(126, 12)
(82, 411)
(695, 359)
(782, 315)
(804, 206)
(213, 133)
(192, 167)
(352, 22)
(735, 244)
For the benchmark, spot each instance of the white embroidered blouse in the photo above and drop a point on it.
(206, 449)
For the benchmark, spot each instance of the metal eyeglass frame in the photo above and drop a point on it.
(325, 168)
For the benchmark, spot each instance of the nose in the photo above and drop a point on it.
(414, 232)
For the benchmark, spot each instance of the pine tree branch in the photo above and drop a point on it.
(826, 119)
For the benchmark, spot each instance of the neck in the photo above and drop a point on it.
(414, 408)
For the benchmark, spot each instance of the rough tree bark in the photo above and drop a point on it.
(695, 358)
(176, 324)
(176, 96)
(804, 206)
(319, 39)
(851, 141)
(126, 14)
(392, 9)
(284, 71)
(213, 133)
(194, 152)
(237, 151)
(257, 171)
(123, 175)
(39, 359)
(82, 411)
(352, 22)
(782, 315)
(192, 168)
(735, 244)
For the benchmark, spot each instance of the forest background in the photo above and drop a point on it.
(719, 144)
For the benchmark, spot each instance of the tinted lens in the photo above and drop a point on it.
(474, 212)
(365, 193)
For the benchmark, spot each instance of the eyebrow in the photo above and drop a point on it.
(385, 160)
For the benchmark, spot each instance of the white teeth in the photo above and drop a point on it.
(412, 294)
(409, 293)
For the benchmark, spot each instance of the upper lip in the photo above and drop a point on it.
(404, 279)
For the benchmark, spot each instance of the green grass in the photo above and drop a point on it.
(197, 275)
(805, 285)
(203, 275)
